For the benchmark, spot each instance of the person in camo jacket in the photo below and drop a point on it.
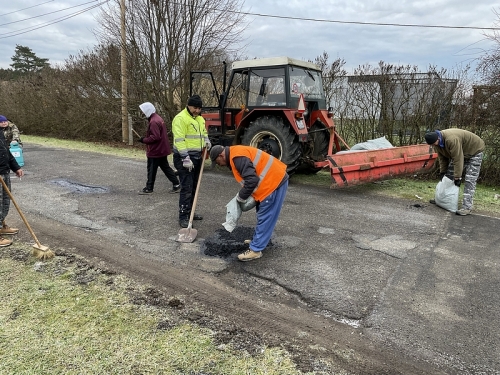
(10, 131)
(7, 163)
(457, 150)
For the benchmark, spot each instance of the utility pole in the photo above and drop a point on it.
(125, 132)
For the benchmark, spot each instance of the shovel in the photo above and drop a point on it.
(189, 234)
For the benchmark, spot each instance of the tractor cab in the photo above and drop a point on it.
(276, 104)
(276, 82)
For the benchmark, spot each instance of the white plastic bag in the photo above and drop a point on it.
(233, 213)
(372, 144)
(447, 194)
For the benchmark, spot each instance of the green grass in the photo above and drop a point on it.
(52, 324)
(124, 150)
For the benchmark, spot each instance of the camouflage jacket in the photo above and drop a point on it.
(11, 133)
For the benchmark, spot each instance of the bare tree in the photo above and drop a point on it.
(167, 39)
(397, 102)
(486, 105)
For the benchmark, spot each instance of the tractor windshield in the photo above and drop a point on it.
(306, 82)
(267, 87)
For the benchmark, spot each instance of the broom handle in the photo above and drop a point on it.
(20, 212)
(137, 134)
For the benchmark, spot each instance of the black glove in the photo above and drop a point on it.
(441, 175)
(458, 181)
(141, 140)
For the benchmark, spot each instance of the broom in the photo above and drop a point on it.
(39, 251)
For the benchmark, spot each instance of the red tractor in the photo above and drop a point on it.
(279, 105)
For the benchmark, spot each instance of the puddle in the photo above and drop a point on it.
(75, 187)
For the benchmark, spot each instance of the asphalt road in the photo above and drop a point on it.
(417, 281)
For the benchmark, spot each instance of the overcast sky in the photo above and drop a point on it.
(343, 29)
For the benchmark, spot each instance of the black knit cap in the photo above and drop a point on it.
(431, 137)
(195, 101)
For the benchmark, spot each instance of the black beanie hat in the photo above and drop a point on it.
(431, 137)
(195, 101)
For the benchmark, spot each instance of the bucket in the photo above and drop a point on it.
(17, 152)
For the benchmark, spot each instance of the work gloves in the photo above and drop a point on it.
(441, 175)
(458, 181)
(208, 145)
(246, 204)
(141, 140)
(187, 163)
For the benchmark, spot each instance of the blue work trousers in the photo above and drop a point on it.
(268, 212)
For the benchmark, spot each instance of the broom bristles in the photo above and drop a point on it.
(42, 252)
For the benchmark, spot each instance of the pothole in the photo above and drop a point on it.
(76, 187)
(224, 243)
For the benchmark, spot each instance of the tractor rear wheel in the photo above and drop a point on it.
(270, 134)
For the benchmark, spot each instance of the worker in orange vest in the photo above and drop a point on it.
(262, 177)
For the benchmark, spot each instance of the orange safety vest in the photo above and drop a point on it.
(269, 169)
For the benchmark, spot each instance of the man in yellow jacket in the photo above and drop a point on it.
(190, 139)
(261, 176)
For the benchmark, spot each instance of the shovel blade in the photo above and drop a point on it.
(186, 235)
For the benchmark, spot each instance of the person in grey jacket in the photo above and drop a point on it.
(457, 150)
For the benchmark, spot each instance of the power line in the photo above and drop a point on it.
(363, 23)
(21, 31)
(46, 14)
(367, 23)
(60, 19)
(20, 10)
(350, 22)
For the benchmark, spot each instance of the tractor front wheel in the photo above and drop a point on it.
(271, 135)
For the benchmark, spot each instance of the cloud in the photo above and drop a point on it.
(50, 37)
(360, 44)
(357, 44)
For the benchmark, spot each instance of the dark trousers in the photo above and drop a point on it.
(4, 199)
(188, 181)
(153, 164)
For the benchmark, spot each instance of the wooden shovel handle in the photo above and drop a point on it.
(197, 188)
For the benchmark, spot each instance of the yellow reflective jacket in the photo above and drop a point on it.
(190, 135)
